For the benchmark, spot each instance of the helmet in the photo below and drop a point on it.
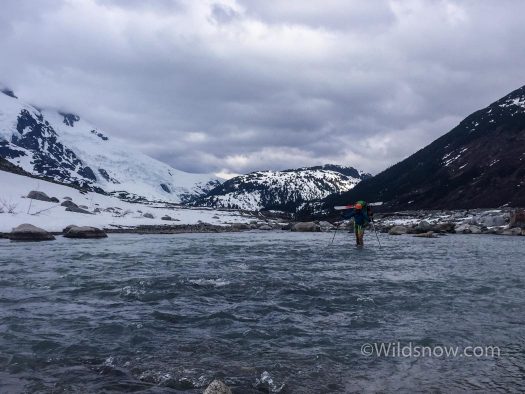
(358, 206)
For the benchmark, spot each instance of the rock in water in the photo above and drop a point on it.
(41, 196)
(428, 234)
(217, 387)
(398, 230)
(265, 227)
(518, 219)
(148, 215)
(84, 232)
(28, 232)
(166, 217)
(306, 227)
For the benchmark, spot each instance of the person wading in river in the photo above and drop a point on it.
(362, 214)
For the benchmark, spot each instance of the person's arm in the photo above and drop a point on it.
(348, 214)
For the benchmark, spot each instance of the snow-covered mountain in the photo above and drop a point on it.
(478, 164)
(63, 147)
(288, 190)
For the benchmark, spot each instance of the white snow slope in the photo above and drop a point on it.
(114, 212)
(114, 165)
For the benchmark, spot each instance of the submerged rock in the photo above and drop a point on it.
(41, 196)
(84, 232)
(398, 230)
(306, 227)
(28, 232)
(217, 387)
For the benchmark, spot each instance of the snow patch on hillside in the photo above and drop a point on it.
(114, 212)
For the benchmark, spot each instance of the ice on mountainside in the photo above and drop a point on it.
(66, 148)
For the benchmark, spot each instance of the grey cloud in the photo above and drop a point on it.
(243, 85)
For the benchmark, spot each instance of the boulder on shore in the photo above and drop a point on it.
(265, 227)
(217, 387)
(306, 227)
(69, 204)
(84, 232)
(468, 229)
(492, 220)
(423, 227)
(326, 225)
(41, 196)
(518, 218)
(398, 230)
(28, 232)
(444, 228)
(240, 226)
(512, 231)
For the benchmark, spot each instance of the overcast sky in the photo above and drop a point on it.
(231, 86)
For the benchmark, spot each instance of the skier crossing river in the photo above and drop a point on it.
(362, 214)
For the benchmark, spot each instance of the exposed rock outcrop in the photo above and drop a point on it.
(41, 196)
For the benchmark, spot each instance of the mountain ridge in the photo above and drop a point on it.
(290, 190)
(480, 163)
(63, 147)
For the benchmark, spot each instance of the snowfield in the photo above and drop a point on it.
(114, 212)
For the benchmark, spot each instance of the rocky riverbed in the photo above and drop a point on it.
(504, 221)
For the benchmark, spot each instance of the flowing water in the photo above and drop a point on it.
(266, 312)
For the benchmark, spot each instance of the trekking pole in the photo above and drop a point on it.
(335, 232)
(375, 231)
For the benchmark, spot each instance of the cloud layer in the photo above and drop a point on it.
(234, 86)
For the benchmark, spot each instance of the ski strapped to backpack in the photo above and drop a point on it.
(351, 206)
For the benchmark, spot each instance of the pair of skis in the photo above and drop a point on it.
(350, 206)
